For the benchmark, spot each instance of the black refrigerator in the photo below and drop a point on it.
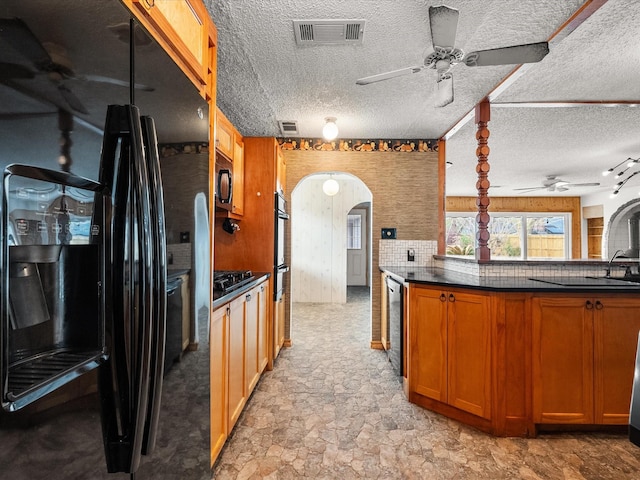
(84, 282)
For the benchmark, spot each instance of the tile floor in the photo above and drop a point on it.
(332, 409)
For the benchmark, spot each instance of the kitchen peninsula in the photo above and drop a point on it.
(511, 354)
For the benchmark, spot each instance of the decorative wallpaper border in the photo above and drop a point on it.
(170, 149)
(358, 145)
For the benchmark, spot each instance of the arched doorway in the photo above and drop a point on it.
(319, 238)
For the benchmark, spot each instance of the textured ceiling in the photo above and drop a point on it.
(263, 77)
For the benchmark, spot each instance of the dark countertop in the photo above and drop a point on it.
(447, 278)
(176, 272)
(220, 299)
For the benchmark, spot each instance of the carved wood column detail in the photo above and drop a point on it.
(482, 117)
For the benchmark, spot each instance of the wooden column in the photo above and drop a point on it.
(442, 179)
(482, 117)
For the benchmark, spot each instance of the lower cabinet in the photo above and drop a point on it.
(450, 348)
(583, 358)
(278, 325)
(238, 344)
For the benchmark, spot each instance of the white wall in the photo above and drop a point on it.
(319, 238)
(610, 206)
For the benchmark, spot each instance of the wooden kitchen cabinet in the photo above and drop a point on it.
(281, 172)
(583, 358)
(237, 202)
(257, 324)
(264, 300)
(225, 135)
(185, 31)
(230, 144)
(450, 345)
(218, 380)
(236, 370)
(238, 356)
(278, 325)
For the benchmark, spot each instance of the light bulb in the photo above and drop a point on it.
(607, 172)
(330, 129)
(330, 187)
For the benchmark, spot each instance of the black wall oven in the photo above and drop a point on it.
(280, 268)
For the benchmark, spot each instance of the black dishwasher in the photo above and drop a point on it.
(395, 309)
(173, 343)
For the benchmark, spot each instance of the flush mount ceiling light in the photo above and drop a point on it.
(330, 187)
(330, 129)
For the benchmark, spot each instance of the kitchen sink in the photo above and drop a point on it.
(588, 282)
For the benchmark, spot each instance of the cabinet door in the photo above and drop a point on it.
(218, 380)
(562, 343)
(616, 326)
(428, 343)
(278, 326)
(384, 313)
(224, 135)
(237, 392)
(252, 374)
(469, 353)
(237, 206)
(281, 170)
(263, 326)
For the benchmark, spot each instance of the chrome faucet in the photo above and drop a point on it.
(615, 255)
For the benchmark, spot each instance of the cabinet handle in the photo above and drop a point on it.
(262, 288)
(228, 310)
(599, 305)
(589, 305)
(443, 298)
(248, 297)
(452, 298)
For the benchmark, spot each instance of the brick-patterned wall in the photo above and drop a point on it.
(405, 196)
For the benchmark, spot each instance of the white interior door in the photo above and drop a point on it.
(357, 247)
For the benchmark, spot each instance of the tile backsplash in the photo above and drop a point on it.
(178, 256)
(394, 252)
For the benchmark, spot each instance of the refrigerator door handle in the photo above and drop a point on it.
(124, 382)
(159, 294)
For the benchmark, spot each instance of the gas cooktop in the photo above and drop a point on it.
(225, 281)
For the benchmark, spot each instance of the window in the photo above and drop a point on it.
(354, 232)
(519, 236)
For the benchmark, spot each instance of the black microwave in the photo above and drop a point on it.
(224, 183)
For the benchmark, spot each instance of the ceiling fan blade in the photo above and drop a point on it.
(593, 184)
(444, 25)
(113, 81)
(444, 91)
(386, 76)
(17, 34)
(72, 100)
(12, 71)
(517, 54)
(530, 188)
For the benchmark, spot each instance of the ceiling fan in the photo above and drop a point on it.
(443, 21)
(555, 184)
(49, 59)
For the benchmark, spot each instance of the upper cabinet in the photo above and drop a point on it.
(230, 155)
(185, 31)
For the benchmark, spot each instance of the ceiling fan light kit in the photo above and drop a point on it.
(443, 21)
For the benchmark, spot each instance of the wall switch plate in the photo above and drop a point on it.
(389, 233)
(411, 255)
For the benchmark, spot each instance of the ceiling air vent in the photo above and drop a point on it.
(326, 32)
(288, 129)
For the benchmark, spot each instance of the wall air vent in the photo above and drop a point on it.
(288, 128)
(328, 32)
